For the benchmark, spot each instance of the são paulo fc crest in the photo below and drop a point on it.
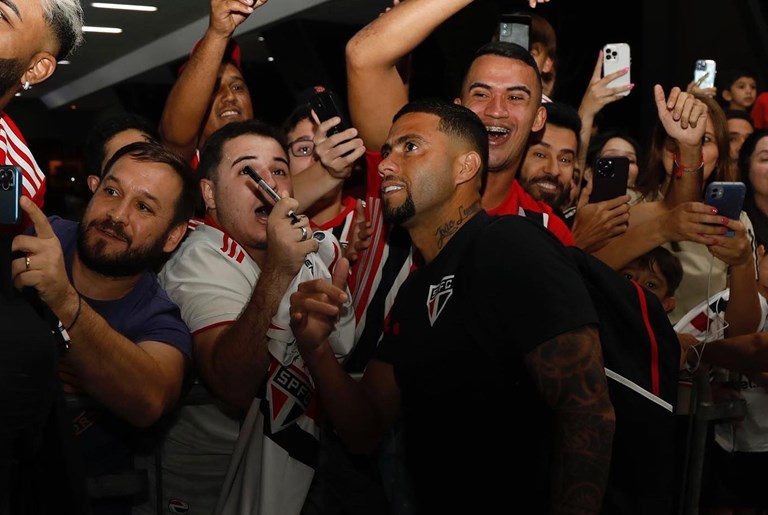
(289, 392)
(438, 297)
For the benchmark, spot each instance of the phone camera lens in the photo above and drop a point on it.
(614, 53)
(6, 180)
(605, 167)
(608, 57)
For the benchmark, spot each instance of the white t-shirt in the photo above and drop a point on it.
(212, 278)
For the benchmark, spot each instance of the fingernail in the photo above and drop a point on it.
(724, 221)
(343, 297)
(625, 69)
(632, 86)
(714, 210)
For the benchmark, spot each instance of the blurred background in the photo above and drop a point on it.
(132, 59)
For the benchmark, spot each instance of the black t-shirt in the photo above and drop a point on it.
(458, 333)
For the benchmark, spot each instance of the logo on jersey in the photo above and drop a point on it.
(289, 395)
(178, 506)
(438, 297)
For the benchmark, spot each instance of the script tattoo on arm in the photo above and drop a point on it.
(448, 229)
(569, 373)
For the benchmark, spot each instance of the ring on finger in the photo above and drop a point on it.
(27, 262)
(304, 233)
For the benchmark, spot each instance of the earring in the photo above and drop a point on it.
(26, 86)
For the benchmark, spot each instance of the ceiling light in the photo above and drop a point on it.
(63, 61)
(261, 38)
(125, 7)
(270, 59)
(103, 30)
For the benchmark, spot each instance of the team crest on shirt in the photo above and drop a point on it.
(438, 297)
(289, 395)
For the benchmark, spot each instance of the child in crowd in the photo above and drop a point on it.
(739, 90)
(660, 272)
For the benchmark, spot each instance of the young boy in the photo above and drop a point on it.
(660, 272)
(739, 90)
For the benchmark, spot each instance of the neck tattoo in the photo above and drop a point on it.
(448, 229)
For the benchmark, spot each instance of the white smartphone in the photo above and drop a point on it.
(616, 57)
(704, 73)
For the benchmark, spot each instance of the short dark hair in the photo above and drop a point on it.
(299, 113)
(210, 156)
(745, 156)
(597, 143)
(153, 152)
(734, 74)
(565, 116)
(456, 121)
(734, 114)
(107, 129)
(668, 264)
(508, 50)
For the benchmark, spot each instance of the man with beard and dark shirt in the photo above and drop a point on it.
(496, 320)
(128, 347)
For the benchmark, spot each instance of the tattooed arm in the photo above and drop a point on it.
(569, 373)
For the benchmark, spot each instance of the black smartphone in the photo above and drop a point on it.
(326, 104)
(10, 193)
(609, 178)
(516, 28)
(728, 198)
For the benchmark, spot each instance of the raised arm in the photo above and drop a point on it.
(188, 102)
(376, 90)
(569, 373)
(233, 360)
(360, 412)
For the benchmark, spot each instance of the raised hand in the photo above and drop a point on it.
(733, 250)
(692, 221)
(683, 116)
(598, 94)
(337, 153)
(43, 266)
(226, 15)
(360, 239)
(595, 224)
(316, 307)
(288, 242)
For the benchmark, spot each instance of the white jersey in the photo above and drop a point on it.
(212, 278)
(751, 434)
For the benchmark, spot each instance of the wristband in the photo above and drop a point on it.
(679, 169)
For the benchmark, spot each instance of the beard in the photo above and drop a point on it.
(131, 261)
(555, 199)
(402, 213)
(11, 71)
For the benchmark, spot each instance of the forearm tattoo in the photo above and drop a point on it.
(569, 373)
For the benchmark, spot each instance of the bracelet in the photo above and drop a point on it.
(680, 169)
(77, 313)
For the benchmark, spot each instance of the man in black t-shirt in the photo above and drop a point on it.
(495, 322)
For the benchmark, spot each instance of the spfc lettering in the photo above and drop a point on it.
(438, 297)
(289, 393)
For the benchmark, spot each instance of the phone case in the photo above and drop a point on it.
(10, 192)
(727, 197)
(326, 104)
(609, 178)
(705, 71)
(616, 56)
(515, 28)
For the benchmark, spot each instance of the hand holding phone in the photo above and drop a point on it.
(616, 57)
(326, 104)
(10, 193)
(609, 178)
(728, 198)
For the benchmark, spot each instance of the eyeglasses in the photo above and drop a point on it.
(302, 148)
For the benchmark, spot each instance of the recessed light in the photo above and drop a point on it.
(17, 95)
(63, 61)
(72, 179)
(103, 30)
(270, 59)
(124, 7)
(261, 38)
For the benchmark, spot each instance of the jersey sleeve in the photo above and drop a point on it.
(515, 262)
(209, 288)
(373, 180)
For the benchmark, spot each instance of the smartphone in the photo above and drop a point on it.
(616, 56)
(10, 193)
(516, 28)
(704, 73)
(728, 198)
(609, 178)
(326, 104)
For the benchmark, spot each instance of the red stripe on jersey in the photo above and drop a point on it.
(273, 326)
(232, 250)
(655, 389)
(700, 322)
(225, 245)
(217, 324)
(240, 257)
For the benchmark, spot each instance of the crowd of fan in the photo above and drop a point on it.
(430, 343)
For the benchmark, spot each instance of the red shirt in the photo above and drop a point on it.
(760, 111)
(518, 199)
